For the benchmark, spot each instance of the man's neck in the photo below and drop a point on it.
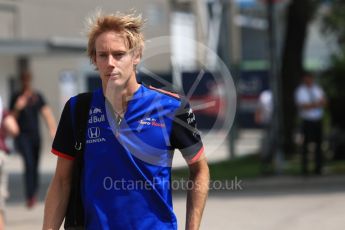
(27, 91)
(119, 98)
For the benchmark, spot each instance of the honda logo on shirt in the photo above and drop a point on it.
(93, 132)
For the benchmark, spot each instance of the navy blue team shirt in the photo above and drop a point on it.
(127, 166)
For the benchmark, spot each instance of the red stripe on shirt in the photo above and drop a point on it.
(197, 156)
(165, 92)
(63, 155)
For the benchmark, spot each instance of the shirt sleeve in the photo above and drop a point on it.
(260, 104)
(300, 96)
(321, 93)
(185, 135)
(64, 141)
(41, 101)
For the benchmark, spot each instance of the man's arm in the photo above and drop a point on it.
(314, 105)
(58, 195)
(10, 125)
(258, 115)
(17, 105)
(196, 197)
(49, 119)
(301, 99)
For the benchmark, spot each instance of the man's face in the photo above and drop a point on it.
(308, 80)
(113, 60)
(25, 79)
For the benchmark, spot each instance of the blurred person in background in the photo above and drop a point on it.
(310, 100)
(8, 127)
(26, 106)
(263, 117)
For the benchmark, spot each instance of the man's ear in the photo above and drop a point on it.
(136, 57)
(93, 60)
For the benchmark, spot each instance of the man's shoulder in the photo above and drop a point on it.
(82, 95)
(265, 95)
(168, 94)
(165, 91)
(317, 87)
(301, 88)
(81, 98)
(15, 94)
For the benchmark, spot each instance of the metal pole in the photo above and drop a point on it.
(233, 57)
(276, 90)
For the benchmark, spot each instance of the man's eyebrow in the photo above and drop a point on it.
(115, 51)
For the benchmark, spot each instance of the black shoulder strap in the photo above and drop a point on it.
(74, 218)
(81, 114)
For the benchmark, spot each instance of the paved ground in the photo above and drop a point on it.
(296, 203)
(259, 211)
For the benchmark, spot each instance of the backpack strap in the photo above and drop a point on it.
(80, 117)
(80, 106)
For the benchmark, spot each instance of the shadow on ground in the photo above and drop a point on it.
(263, 186)
(16, 187)
(274, 186)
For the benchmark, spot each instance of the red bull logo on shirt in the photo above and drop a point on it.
(96, 119)
(95, 110)
(96, 115)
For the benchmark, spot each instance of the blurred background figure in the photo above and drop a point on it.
(8, 127)
(263, 117)
(26, 105)
(310, 100)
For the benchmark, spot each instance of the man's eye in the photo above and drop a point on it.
(118, 55)
(102, 55)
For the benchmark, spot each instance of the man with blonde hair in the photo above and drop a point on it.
(131, 133)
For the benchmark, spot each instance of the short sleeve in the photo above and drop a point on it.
(185, 135)
(320, 92)
(260, 104)
(300, 96)
(64, 141)
(41, 101)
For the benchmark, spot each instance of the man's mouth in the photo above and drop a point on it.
(112, 75)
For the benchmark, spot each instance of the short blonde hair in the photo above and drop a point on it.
(129, 25)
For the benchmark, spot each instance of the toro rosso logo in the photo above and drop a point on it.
(151, 122)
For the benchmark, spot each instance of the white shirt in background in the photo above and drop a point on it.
(307, 95)
(265, 105)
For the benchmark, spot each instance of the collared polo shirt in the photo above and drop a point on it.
(127, 166)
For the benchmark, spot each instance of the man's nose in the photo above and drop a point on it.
(111, 61)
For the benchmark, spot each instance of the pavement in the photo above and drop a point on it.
(268, 203)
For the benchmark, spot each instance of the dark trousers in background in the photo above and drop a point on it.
(312, 132)
(268, 148)
(29, 147)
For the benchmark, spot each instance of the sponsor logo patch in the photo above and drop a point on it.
(151, 122)
(96, 119)
(95, 110)
(94, 134)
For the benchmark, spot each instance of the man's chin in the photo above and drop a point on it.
(115, 83)
(114, 77)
